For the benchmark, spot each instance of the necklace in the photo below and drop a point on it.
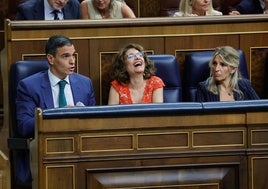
(230, 93)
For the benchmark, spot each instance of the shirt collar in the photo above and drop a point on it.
(48, 8)
(54, 79)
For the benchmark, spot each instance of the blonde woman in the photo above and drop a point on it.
(105, 9)
(225, 82)
(197, 8)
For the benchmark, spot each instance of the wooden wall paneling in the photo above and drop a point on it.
(27, 49)
(200, 42)
(83, 56)
(258, 137)
(258, 63)
(161, 172)
(258, 154)
(258, 165)
(61, 175)
(162, 177)
(136, 167)
(256, 48)
(149, 8)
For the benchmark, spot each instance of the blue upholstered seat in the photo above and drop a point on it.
(196, 70)
(19, 147)
(167, 68)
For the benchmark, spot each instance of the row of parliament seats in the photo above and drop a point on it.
(165, 7)
(167, 68)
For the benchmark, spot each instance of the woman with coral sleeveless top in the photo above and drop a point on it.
(134, 79)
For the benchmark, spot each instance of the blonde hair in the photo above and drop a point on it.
(229, 56)
(113, 9)
(186, 8)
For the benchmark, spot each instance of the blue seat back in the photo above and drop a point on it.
(167, 68)
(19, 147)
(18, 71)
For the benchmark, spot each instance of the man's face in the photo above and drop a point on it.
(63, 63)
(57, 4)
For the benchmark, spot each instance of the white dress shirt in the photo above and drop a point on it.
(48, 12)
(55, 90)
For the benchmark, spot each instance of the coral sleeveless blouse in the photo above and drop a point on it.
(152, 84)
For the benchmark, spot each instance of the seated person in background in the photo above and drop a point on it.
(48, 10)
(42, 89)
(251, 7)
(265, 7)
(225, 82)
(104, 9)
(197, 8)
(134, 79)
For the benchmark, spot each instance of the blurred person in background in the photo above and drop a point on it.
(196, 8)
(48, 10)
(251, 7)
(105, 9)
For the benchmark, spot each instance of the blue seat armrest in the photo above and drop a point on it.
(18, 143)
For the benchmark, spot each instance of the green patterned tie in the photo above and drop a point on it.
(62, 99)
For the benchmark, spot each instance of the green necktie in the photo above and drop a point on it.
(62, 99)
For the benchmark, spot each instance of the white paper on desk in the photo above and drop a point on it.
(79, 104)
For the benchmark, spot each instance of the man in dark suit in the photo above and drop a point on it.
(46, 10)
(43, 90)
(250, 7)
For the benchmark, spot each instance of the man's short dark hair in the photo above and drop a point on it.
(55, 42)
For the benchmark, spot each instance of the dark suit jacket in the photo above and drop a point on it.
(203, 95)
(34, 10)
(249, 7)
(35, 91)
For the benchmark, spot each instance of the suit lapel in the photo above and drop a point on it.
(66, 12)
(46, 92)
(39, 10)
(75, 88)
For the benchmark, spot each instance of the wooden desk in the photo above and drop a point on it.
(173, 150)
